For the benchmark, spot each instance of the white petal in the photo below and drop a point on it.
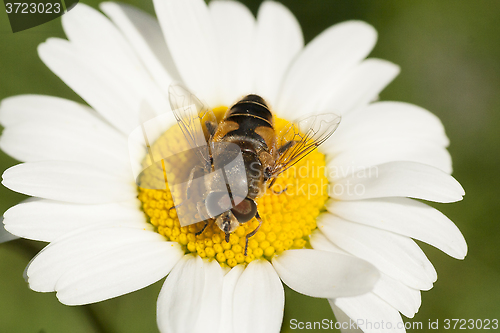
(259, 299)
(347, 324)
(116, 272)
(388, 131)
(144, 34)
(320, 242)
(369, 308)
(325, 274)
(229, 284)
(190, 36)
(47, 220)
(35, 108)
(234, 29)
(211, 299)
(68, 181)
(87, 28)
(50, 128)
(401, 297)
(406, 217)
(101, 43)
(278, 41)
(140, 138)
(317, 69)
(79, 246)
(372, 152)
(397, 256)
(190, 299)
(383, 122)
(44, 140)
(359, 86)
(397, 179)
(107, 93)
(5, 236)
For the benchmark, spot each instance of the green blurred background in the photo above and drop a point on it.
(449, 52)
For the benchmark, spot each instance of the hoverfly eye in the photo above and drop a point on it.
(245, 210)
(217, 203)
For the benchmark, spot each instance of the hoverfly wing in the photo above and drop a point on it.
(191, 113)
(187, 169)
(300, 138)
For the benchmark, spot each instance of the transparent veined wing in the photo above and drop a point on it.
(191, 114)
(300, 138)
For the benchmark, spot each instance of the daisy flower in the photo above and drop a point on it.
(343, 231)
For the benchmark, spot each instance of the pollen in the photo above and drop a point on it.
(288, 209)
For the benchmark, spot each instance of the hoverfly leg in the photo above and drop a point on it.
(202, 211)
(203, 229)
(188, 185)
(279, 192)
(257, 216)
(175, 207)
(211, 127)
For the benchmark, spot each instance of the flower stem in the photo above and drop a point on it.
(94, 319)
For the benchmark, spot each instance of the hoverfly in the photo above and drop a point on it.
(247, 132)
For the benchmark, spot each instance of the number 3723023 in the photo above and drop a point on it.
(32, 8)
(478, 324)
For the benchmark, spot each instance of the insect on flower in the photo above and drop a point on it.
(246, 151)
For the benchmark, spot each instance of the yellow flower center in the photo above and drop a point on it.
(288, 217)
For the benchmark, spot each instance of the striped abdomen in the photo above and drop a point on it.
(249, 121)
(250, 125)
